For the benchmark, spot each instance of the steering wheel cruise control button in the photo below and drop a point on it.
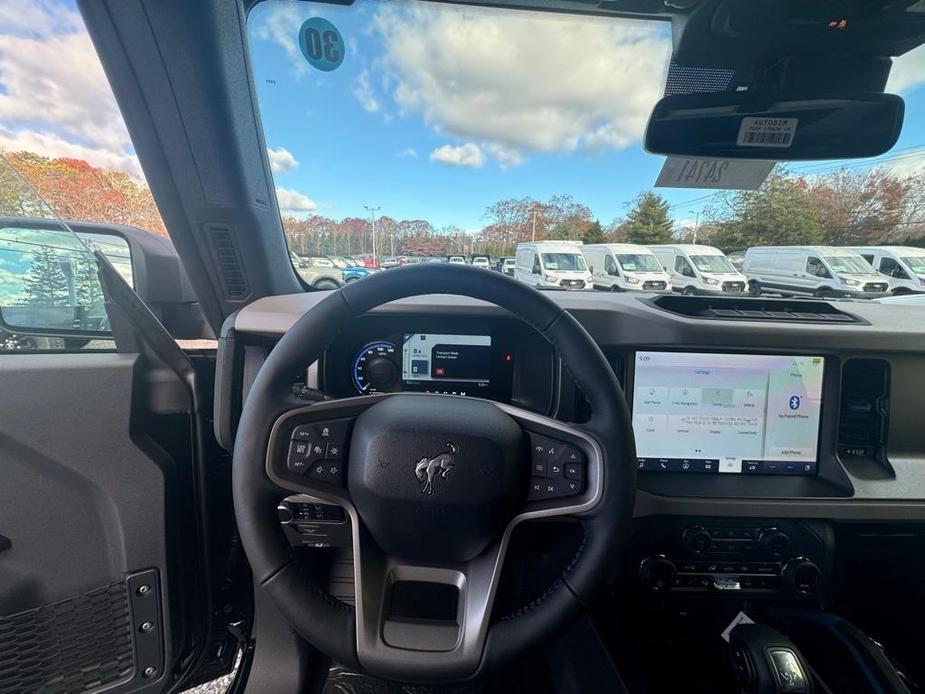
(328, 471)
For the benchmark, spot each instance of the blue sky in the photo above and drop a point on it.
(435, 112)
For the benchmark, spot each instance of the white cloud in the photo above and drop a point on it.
(280, 24)
(908, 71)
(907, 166)
(55, 99)
(363, 91)
(524, 81)
(410, 152)
(293, 201)
(505, 156)
(468, 154)
(281, 160)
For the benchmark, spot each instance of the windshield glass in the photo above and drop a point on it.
(564, 262)
(849, 265)
(916, 263)
(412, 130)
(639, 262)
(712, 263)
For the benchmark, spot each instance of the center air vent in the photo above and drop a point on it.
(754, 309)
(864, 415)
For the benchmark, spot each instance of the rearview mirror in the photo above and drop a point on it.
(746, 125)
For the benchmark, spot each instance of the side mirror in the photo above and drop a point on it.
(50, 283)
(782, 127)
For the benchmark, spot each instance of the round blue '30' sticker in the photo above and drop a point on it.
(321, 44)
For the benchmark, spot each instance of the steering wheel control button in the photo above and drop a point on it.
(302, 433)
(574, 471)
(299, 455)
(328, 471)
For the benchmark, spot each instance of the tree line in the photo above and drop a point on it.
(842, 207)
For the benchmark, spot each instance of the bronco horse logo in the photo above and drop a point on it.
(427, 468)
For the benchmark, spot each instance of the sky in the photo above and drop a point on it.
(435, 111)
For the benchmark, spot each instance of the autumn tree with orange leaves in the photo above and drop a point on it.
(74, 189)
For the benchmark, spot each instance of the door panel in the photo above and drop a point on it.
(87, 584)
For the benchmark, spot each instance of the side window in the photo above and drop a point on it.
(51, 170)
(869, 257)
(890, 267)
(682, 267)
(536, 264)
(815, 267)
(610, 267)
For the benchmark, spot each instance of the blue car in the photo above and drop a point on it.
(354, 273)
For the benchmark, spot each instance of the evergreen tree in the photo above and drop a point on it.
(648, 221)
(594, 233)
(87, 286)
(45, 283)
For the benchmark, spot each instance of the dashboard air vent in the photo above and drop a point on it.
(754, 309)
(228, 260)
(865, 409)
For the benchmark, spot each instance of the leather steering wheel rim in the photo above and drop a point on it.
(331, 625)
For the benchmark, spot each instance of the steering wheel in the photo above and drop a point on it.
(433, 486)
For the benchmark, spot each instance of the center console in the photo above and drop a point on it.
(713, 556)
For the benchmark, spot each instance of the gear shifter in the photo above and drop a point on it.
(767, 662)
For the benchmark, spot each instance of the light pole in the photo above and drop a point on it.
(696, 223)
(533, 235)
(372, 212)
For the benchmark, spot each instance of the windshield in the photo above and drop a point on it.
(564, 262)
(849, 265)
(916, 263)
(712, 263)
(639, 262)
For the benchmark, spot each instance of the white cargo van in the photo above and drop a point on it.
(697, 269)
(904, 265)
(823, 271)
(552, 265)
(621, 267)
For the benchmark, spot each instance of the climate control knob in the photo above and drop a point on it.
(657, 572)
(696, 539)
(774, 541)
(802, 575)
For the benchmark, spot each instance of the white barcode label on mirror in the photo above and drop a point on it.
(767, 132)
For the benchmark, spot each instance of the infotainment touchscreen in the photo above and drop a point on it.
(727, 413)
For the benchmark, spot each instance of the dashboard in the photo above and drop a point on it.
(741, 407)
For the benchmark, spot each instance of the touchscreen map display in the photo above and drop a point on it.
(727, 413)
(446, 358)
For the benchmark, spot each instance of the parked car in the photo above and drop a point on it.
(456, 259)
(388, 261)
(821, 271)
(696, 269)
(351, 274)
(620, 267)
(319, 276)
(552, 265)
(904, 265)
(297, 260)
(482, 261)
